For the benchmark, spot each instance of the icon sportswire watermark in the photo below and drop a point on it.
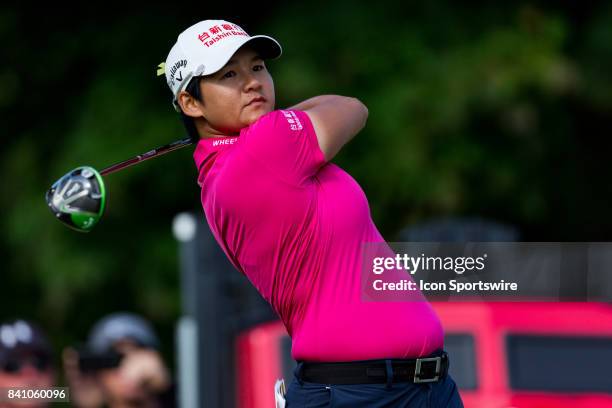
(491, 271)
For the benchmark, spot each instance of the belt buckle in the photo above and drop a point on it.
(417, 370)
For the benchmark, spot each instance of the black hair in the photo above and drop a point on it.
(193, 89)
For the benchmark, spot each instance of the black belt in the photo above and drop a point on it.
(419, 370)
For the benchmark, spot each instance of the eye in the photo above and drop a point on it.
(259, 67)
(228, 74)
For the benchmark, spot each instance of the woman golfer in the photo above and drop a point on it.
(294, 224)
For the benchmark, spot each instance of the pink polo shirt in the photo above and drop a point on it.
(294, 225)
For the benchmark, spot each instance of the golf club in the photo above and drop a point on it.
(78, 198)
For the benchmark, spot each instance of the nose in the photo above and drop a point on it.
(251, 83)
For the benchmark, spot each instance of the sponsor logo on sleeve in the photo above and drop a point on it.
(292, 119)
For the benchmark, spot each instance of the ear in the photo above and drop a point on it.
(190, 105)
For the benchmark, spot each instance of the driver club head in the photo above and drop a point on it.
(77, 199)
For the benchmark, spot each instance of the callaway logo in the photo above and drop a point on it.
(175, 67)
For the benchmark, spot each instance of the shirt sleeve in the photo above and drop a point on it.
(285, 142)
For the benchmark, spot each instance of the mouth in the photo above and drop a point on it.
(254, 101)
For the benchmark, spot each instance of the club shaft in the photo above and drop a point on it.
(148, 155)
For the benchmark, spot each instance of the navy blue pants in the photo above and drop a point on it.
(441, 394)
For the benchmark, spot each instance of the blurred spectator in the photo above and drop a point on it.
(25, 359)
(120, 366)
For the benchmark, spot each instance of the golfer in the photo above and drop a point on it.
(294, 224)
